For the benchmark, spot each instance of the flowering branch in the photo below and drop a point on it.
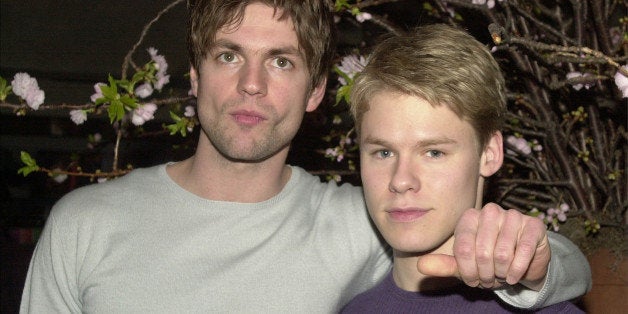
(565, 138)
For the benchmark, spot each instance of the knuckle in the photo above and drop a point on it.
(464, 250)
(503, 256)
(483, 255)
(517, 269)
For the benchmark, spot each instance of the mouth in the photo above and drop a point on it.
(406, 214)
(248, 118)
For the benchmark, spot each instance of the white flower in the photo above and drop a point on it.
(26, 87)
(520, 144)
(143, 113)
(574, 74)
(78, 116)
(162, 66)
(59, 178)
(351, 65)
(161, 81)
(22, 83)
(144, 90)
(622, 82)
(35, 98)
(189, 111)
(97, 92)
(363, 16)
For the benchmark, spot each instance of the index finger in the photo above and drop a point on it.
(464, 247)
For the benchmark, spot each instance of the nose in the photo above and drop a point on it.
(252, 80)
(404, 177)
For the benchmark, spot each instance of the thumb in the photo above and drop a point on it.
(438, 265)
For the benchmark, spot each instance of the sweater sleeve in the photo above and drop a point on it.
(51, 284)
(568, 277)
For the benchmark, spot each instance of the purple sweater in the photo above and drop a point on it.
(386, 297)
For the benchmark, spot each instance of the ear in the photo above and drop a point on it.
(316, 96)
(193, 81)
(493, 155)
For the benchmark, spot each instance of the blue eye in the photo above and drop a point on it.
(434, 153)
(383, 154)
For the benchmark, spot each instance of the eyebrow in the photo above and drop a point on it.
(287, 50)
(422, 143)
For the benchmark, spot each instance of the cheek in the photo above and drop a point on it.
(463, 184)
(375, 190)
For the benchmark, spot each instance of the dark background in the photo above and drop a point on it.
(68, 46)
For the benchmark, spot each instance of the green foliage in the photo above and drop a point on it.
(180, 125)
(30, 164)
(344, 92)
(5, 90)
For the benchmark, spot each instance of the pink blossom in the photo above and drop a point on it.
(189, 111)
(35, 98)
(143, 113)
(622, 82)
(351, 65)
(78, 116)
(93, 140)
(162, 66)
(520, 144)
(22, 83)
(363, 16)
(564, 207)
(536, 146)
(162, 80)
(144, 90)
(97, 92)
(58, 177)
(26, 87)
(575, 74)
(490, 3)
(561, 217)
(334, 152)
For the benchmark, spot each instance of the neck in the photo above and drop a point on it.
(407, 277)
(210, 175)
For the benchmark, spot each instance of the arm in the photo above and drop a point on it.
(514, 254)
(51, 284)
(568, 277)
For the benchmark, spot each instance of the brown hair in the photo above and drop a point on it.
(444, 66)
(312, 19)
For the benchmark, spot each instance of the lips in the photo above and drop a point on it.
(405, 214)
(246, 117)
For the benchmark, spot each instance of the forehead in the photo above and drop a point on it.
(261, 20)
(397, 116)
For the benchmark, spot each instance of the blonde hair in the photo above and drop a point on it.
(444, 66)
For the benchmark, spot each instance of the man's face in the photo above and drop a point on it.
(252, 87)
(420, 169)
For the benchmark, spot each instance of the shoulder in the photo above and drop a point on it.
(562, 307)
(376, 299)
(322, 194)
(98, 198)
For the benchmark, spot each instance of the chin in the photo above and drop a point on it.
(413, 246)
